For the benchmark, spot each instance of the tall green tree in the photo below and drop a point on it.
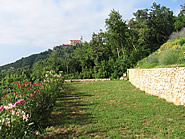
(180, 19)
(161, 22)
(117, 31)
(98, 48)
(151, 27)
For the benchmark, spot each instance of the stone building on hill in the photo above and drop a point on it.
(71, 43)
(60, 46)
(75, 42)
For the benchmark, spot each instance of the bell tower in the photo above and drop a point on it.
(81, 39)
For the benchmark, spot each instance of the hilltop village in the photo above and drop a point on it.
(71, 43)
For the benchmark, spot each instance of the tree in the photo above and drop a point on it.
(37, 70)
(161, 22)
(116, 29)
(139, 35)
(180, 20)
(151, 27)
(98, 49)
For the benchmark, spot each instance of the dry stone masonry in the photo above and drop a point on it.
(166, 83)
(86, 80)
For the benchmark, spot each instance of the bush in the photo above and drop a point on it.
(182, 42)
(154, 58)
(27, 106)
(176, 35)
(87, 73)
(169, 57)
(181, 60)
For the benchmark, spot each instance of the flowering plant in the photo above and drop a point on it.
(33, 105)
(13, 121)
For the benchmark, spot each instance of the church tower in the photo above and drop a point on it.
(81, 39)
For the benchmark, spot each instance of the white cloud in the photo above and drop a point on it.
(45, 23)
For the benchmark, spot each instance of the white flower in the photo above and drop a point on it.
(13, 112)
(37, 133)
(18, 114)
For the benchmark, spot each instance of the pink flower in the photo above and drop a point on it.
(21, 100)
(39, 83)
(18, 102)
(5, 96)
(36, 91)
(31, 95)
(1, 108)
(29, 87)
(34, 84)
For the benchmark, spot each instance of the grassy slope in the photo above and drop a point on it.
(27, 61)
(114, 109)
(170, 54)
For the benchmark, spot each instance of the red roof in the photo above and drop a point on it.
(75, 40)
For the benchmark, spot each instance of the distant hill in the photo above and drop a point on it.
(170, 54)
(28, 61)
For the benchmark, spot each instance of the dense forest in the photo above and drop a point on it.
(109, 53)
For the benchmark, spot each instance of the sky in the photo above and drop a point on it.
(32, 26)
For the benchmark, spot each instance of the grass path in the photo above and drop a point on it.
(114, 109)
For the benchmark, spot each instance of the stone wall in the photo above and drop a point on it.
(86, 80)
(166, 83)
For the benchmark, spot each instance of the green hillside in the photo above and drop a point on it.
(170, 54)
(27, 61)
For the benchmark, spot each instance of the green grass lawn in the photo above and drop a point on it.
(113, 109)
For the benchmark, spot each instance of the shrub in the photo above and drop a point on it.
(181, 60)
(12, 120)
(141, 62)
(179, 34)
(154, 58)
(87, 73)
(169, 57)
(181, 42)
(33, 105)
